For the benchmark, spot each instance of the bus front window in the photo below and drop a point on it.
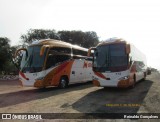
(110, 58)
(33, 62)
(101, 57)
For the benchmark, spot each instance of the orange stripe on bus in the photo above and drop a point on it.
(63, 69)
(23, 75)
(100, 75)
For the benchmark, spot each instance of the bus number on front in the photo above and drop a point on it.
(118, 73)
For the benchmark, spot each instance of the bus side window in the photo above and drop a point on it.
(79, 54)
(62, 58)
(51, 61)
(58, 55)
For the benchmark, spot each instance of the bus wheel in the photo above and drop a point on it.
(144, 76)
(63, 82)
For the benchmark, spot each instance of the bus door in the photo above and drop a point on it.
(77, 72)
(87, 67)
(140, 73)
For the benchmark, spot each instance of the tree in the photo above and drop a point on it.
(37, 34)
(5, 56)
(84, 39)
(4, 52)
(90, 39)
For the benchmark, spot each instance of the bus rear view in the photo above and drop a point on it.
(115, 64)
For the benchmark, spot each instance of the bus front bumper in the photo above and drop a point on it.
(39, 84)
(96, 83)
(121, 84)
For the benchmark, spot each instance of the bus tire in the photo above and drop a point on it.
(63, 83)
(145, 74)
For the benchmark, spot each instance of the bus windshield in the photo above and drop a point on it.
(33, 62)
(110, 58)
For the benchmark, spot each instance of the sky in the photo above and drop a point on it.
(136, 21)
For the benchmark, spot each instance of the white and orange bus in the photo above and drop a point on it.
(117, 63)
(54, 63)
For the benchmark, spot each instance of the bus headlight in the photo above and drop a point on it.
(124, 78)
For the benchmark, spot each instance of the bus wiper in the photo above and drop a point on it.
(34, 69)
(30, 61)
(105, 63)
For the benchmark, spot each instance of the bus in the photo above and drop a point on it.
(116, 63)
(54, 63)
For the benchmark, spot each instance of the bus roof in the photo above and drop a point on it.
(57, 43)
(112, 41)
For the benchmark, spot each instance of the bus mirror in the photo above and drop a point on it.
(128, 49)
(89, 51)
(130, 62)
(17, 51)
(43, 48)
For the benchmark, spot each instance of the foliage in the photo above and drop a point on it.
(6, 52)
(9, 64)
(37, 34)
(84, 39)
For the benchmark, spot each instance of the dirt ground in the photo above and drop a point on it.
(81, 98)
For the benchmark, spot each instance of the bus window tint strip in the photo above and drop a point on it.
(79, 52)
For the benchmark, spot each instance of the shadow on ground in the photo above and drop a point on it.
(100, 101)
(13, 98)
